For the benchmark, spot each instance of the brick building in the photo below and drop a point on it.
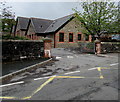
(21, 26)
(64, 32)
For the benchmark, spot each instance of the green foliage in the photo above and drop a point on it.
(98, 17)
(9, 37)
(7, 17)
(7, 24)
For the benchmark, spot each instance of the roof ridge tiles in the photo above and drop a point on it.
(23, 17)
(40, 18)
(65, 16)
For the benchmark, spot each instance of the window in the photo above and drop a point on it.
(30, 36)
(87, 37)
(79, 36)
(70, 37)
(61, 37)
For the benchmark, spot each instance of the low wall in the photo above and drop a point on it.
(20, 49)
(83, 47)
(107, 47)
(87, 47)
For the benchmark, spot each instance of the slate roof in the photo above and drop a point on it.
(43, 25)
(23, 22)
(56, 24)
(40, 25)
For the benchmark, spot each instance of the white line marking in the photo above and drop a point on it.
(69, 56)
(71, 72)
(12, 84)
(44, 77)
(76, 56)
(114, 64)
(58, 57)
(93, 68)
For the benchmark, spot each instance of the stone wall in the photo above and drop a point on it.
(20, 49)
(74, 27)
(107, 47)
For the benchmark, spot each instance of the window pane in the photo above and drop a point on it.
(87, 37)
(79, 36)
(70, 37)
(61, 37)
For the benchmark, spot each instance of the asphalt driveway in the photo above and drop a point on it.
(70, 76)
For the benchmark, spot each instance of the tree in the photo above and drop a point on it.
(98, 17)
(7, 17)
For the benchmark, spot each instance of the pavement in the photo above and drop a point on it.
(70, 77)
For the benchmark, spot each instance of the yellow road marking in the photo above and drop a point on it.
(108, 68)
(27, 97)
(99, 69)
(7, 97)
(50, 79)
(105, 68)
(101, 76)
(69, 77)
(39, 88)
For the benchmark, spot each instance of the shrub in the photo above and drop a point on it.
(9, 37)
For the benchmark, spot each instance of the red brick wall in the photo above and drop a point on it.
(47, 48)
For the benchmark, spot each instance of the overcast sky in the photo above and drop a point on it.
(46, 10)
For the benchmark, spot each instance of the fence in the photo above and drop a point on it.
(19, 49)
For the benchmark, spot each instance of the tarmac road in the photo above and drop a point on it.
(72, 77)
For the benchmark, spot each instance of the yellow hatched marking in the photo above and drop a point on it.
(39, 88)
(49, 80)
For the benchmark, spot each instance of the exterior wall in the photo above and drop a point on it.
(31, 34)
(51, 36)
(19, 32)
(74, 26)
(22, 33)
